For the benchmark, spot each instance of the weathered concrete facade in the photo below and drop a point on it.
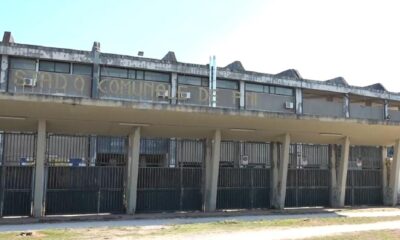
(48, 90)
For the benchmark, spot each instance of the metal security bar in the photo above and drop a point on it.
(18, 152)
(170, 175)
(244, 175)
(364, 177)
(85, 174)
(308, 176)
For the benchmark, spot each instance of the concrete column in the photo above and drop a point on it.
(242, 95)
(274, 170)
(96, 69)
(346, 106)
(174, 88)
(384, 169)
(299, 101)
(333, 175)
(390, 197)
(279, 193)
(133, 170)
(38, 192)
(4, 73)
(212, 170)
(340, 190)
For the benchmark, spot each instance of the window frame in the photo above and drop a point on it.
(23, 59)
(203, 82)
(54, 63)
(228, 81)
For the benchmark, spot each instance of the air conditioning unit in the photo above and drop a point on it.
(289, 105)
(163, 94)
(245, 160)
(184, 95)
(29, 82)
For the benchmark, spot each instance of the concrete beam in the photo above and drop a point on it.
(299, 101)
(279, 191)
(390, 197)
(38, 192)
(340, 190)
(4, 73)
(133, 170)
(212, 171)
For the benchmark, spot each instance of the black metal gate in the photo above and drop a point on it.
(170, 175)
(16, 173)
(85, 174)
(364, 177)
(308, 176)
(244, 180)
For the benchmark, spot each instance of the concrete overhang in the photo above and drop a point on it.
(103, 117)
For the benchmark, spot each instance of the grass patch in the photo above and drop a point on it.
(193, 229)
(369, 235)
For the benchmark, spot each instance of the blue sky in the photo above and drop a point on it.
(356, 39)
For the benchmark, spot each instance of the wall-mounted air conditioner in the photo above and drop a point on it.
(244, 160)
(289, 105)
(163, 94)
(184, 95)
(29, 82)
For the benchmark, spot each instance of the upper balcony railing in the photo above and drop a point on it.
(32, 76)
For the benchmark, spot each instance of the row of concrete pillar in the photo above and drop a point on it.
(213, 145)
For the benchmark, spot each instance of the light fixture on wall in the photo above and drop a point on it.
(328, 134)
(12, 118)
(134, 124)
(242, 130)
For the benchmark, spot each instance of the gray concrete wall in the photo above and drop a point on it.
(128, 89)
(322, 107)
(198, 95)
(269, 102)
(70, 55)
(227, 98)
(366, 112)
(394, 115)
(50, 83)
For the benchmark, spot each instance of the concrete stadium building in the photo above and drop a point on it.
(92, 132)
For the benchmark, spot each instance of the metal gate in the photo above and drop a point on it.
(170, 175)
(244, 180)
(308, 176)
(85, 174)
(364, 177)
(18, 151)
